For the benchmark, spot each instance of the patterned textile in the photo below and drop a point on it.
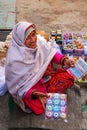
(60, 80)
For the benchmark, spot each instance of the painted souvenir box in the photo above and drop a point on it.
(56, 106)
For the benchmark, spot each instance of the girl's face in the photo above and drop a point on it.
(31, 40)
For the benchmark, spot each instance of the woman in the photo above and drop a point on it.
(26, 65)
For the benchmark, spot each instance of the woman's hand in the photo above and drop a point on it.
(41, 97)
(68, 62)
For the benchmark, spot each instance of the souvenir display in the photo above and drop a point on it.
(77, 36)
(67, 47)
(79, 70)
(56, 106)
(53, 35)
(72, 43)
(85, 36)
(58, 35)
(67, 36)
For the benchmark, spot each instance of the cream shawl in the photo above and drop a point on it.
(25, 66)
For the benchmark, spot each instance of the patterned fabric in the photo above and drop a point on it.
(60, 80)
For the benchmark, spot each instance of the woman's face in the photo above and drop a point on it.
(31, 40)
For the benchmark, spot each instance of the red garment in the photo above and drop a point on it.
(59, 82)
(35, 104)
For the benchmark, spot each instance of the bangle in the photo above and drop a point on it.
(63, 60)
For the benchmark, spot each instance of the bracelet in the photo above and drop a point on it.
(63, 60)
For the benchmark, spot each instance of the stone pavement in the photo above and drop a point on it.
(19, 119)
(84, 107)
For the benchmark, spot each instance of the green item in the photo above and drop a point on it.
(84, 107)
(11, 103)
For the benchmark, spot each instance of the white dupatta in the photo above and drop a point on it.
(25, 66)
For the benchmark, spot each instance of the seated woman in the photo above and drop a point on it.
(26, 67)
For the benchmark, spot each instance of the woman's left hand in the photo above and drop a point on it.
(68, 63)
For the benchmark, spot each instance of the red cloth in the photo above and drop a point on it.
(34, 104)
(60, 81)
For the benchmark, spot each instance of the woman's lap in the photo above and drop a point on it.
(60, 81)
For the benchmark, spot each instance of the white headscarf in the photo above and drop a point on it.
(25, 66)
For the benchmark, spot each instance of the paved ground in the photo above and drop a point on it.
(84, 110)
(69, 15)
(18, 119)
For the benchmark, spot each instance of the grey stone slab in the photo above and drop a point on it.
(84, 113)
(2, 19)
(3, 126)
(10, 21)
(27, 129)
(84, 123)
(4, 112)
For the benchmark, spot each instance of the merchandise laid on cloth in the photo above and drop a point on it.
(73, 43)
(56, 106)
(79, 69)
